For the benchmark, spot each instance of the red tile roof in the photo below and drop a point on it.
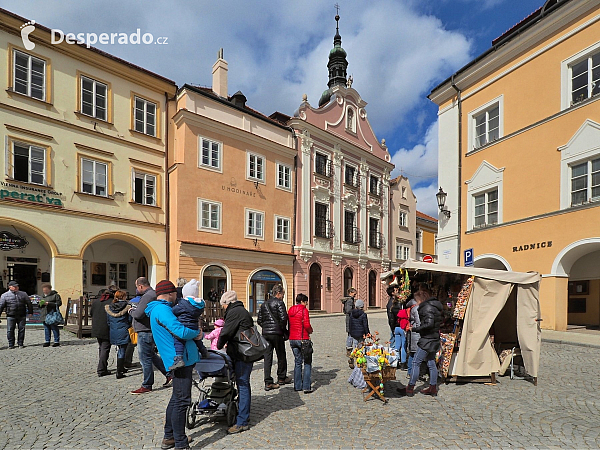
(424, 216)
(526, 20)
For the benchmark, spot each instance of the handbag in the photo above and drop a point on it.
(306, 345)
(132, 335)
(286, 332)
(251, 346)
(54, 318)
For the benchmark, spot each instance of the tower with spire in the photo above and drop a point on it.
(337, 65)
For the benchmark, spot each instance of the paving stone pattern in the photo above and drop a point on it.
(52, 398)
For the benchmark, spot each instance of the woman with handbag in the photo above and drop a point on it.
(119, 322)
(301, 344)
(49, 308)
(237, 320)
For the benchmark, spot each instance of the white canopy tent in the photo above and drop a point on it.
(491, 291)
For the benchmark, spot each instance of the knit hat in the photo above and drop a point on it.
(219, 323)
(165, 287)
(228, 297)
(359, 304)
(191, 289)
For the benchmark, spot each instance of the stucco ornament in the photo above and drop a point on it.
(322, 194)
(337, 155)
(336, 259)
(305, 255)
(362, 262)
(350, 201)
(307, 142)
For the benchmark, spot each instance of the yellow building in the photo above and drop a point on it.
(426, 236)
(82, 198)
(521, 126)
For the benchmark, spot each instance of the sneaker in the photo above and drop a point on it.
(46, 344)
(238, 429)
(286, 380)
(141, 390)
(309, 391)
(170, 443)
(105, 373)
(178, 363)
(21, 346)
(56, 344)
(168, 382)
(13, 347)
(271, 386)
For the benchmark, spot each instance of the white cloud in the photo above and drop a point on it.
(426, 200)
(419, 163)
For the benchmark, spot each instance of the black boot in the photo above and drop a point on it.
(120, 368)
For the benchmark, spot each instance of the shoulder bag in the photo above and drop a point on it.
(55, 317)
(250, 345)
(306, 345)
(133, 336)
(286, 332)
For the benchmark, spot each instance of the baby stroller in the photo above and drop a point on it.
(216, 400)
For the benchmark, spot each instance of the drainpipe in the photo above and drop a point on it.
(459, 100)
(167, 202)
(295, 141)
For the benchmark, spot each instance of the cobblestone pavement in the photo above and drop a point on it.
(52, 398)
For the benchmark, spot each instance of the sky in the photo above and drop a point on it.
(398, 50)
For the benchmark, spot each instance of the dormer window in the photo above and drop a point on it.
(350, 120)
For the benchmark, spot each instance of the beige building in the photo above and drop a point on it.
(403, 214)
(82, 198)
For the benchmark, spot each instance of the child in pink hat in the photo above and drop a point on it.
(213, 336)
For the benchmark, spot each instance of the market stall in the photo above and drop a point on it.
(489, 313)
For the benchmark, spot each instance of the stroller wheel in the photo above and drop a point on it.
(191, 414)
(231, 413)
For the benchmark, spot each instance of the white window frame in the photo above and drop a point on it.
(262, 179)
(484, 108)
(278, 185)
(29, 70)
(486, 210)
(404, 252)
(145, 178)
(276, 229)
(588, 175)
(403, 214)
(379, 189)
(247, 235)
(324, 153)
(486, 178)
(201, 165)
(94, 94)
(96, 162)
(566, 65)
(30, 147)
(145, 102)
(356, 175)
(211, 203)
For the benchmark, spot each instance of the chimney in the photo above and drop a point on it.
(219, 73)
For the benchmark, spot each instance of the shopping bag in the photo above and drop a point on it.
(250, 345)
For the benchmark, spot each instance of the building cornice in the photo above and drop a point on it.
(229, 248)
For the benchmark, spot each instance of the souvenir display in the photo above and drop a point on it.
(463, 299)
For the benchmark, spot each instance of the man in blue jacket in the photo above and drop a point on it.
(164, 326)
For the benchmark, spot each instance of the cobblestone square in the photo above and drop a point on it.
(52, 398)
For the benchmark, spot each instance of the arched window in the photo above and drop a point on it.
(348, 276)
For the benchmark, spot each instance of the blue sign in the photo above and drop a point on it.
(265, 275)
(469, 255)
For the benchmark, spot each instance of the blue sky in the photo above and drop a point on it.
(398, 50)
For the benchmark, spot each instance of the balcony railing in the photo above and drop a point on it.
(324, 167)
(324, 228)
(352, 235)
(351, 179)
(376, 240)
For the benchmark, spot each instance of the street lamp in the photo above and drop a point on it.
(441, 201)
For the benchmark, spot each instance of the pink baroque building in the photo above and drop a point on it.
(343, 188)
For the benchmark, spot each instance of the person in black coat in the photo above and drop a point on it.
(430, 316)
(119, 322)
(100, 328)
(359, 324)
(392, 292)
(273, 318)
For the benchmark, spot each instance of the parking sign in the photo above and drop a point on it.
(469, 257)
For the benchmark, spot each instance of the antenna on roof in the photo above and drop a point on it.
(220, 54)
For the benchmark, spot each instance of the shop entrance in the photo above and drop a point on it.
(261, 284)
(584, 292)
(372, 288)
(214, 283)
(314, 288)
(25, 275)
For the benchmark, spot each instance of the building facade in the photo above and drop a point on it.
(522, 122)
(342, 195)
(426, 236)
(231, 184)
(82, 198)
(402, 221)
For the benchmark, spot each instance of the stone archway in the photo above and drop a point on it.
(491, 261)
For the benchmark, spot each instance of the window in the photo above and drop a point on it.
(403, 219)
(404, 192)
(323, 226)
(585, 78)
(255, 222)
(29, 75)
(210, 215)
(486, 209)
(29, 163)
(210, 154)
(375, 237)
(145, 116)
(402, 252)
(487, 126)
(585, 182)
(284, 177)
(351, 233)
(94, 177)
(282, 229)
(322, 165)
(418, 241)
(350, 177)
(93, 98)
(144, 188)
(256, 167)
(117, 275)
(374, 185)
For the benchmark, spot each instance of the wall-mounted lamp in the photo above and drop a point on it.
(255, 240)
(441, 201)
(256, 185)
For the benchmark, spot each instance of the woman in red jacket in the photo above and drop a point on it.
(300, 331)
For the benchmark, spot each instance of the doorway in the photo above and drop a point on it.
(372, 288)
(314, 290)
(25, 275)
(261, 284)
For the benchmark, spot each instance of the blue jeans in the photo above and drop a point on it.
(411, 356)
(55, 331)
(421, 356)
(301, 380)
(393, 339)
(11, 324)
(242, 375)
(181, 398)
(121, 351)
(148, 358)
(400, 342)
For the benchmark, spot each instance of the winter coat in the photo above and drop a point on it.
(141, 321)
(274, 322)
(17, 304)
(404, 317)
(164, 325)
(213, 337)
(118, 321)
(414, 322)
(187, 313)
(430, 315)
(359, 325)
(53, 301)
(297, 315)
(237, 319)
(348, 303)
(395, 309)
(100, 328)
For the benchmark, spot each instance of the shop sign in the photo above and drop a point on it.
(235, 190)
(533, 246)
(9, 241)
(30, 194)
(265, 275)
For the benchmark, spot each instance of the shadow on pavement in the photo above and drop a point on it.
(322, 378)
